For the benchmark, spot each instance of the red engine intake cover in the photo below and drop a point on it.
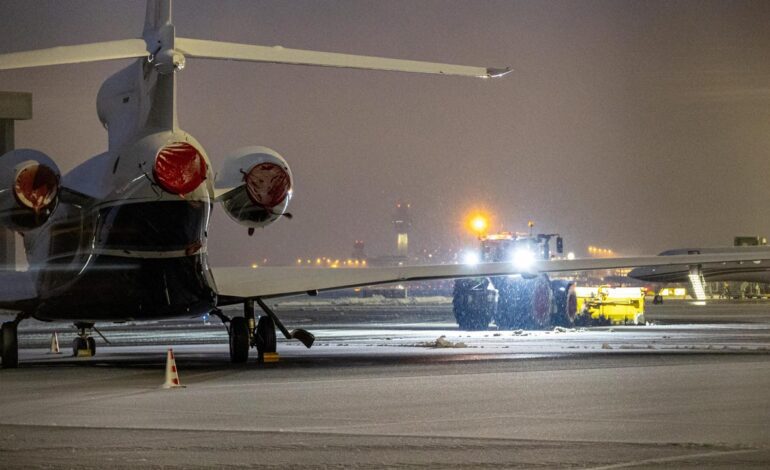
(36, 187)
(267, 184)
(179, 168)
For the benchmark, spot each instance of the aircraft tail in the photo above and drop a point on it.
(158, 15)
(110, 50)
(283, 55)
(167, 52)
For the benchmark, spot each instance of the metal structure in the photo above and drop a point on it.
(14, 106)
(402, 223)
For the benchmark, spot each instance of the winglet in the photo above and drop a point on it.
(496, 73)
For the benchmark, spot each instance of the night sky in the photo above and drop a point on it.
(637, 126)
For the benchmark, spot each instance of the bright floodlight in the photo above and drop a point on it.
(479, 223)
(471, 258)
(523, 259)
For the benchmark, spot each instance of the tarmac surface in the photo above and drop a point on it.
(690, 391)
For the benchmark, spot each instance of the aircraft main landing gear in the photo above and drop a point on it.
(9, 345)
(246, 332)
(84, 345)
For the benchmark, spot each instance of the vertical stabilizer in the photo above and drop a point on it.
(141, 99)
(160, 85)
(158, 15)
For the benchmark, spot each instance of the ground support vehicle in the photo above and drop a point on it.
(515, 302)
(605, 305)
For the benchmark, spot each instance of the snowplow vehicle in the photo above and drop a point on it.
(519, 301)
(606, 305)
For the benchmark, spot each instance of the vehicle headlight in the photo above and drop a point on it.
(523, 259)
(471, 258)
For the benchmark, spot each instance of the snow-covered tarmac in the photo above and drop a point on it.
(380, 394)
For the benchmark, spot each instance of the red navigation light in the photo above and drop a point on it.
(267, 184)
(36, 186)
(179, 168)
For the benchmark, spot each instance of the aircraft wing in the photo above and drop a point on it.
(17, 290)
(241, 283)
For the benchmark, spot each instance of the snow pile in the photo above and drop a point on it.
(561, 329)
(442, 342)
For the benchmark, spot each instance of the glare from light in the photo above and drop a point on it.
(523, 259)
(571, 255)
(478, 223)
(471, 258)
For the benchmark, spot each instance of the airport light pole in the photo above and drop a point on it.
(14, 107)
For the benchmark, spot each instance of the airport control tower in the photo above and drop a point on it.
(402, 222)
(358, 251)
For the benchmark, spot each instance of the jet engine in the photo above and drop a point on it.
(29, 189)
(255, 186)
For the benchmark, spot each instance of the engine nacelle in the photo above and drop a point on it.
(257, 185)
(29, 189)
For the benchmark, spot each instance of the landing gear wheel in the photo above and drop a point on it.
(10, 345)
(264, 336)
(473, 304)
(239, 340)
(91, 343)
(80, 347)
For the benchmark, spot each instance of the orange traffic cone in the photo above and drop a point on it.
(54, 344)
(172, 376)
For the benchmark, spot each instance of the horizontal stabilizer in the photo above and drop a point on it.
(282, 55)
(110, 50)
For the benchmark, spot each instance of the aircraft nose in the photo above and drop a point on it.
(640, 273)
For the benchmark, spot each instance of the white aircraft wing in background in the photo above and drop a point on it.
(265, 282)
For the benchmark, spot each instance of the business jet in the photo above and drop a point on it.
(697, 276)
(123, 236)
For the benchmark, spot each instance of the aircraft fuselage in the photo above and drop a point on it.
(122, 248)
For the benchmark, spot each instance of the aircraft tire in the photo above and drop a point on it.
(79, 344)
(91, 343)
(239, 340)
(10, 345)
(265, 336)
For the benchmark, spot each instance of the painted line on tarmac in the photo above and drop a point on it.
(676, 458)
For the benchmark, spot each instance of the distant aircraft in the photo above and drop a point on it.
(696, 276)
(123, 235)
